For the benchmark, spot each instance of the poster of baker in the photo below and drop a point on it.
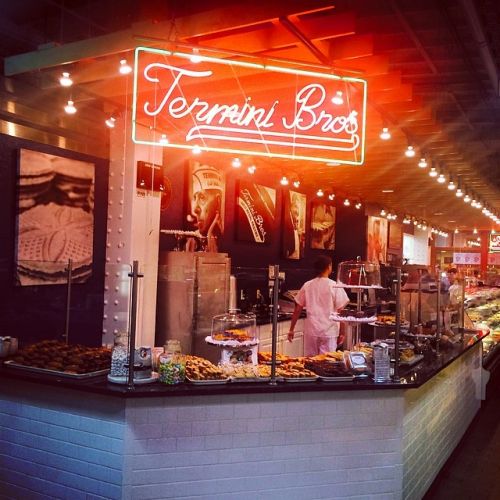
(55, 218)
(294, 224)
(322, 225)
(395, 236)
(377, 239)
(256, 212)
(206, 196)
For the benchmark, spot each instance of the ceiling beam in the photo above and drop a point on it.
(203, 23)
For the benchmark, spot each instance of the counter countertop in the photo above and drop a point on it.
(411, 377)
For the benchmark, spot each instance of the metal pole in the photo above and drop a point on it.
(133, 322)
(462, 313)
(419, 301)
(68, 299)
(398, 325)
(438, 307)
(357, 326)
(275, 324)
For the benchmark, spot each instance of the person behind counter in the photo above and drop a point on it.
(321, 299)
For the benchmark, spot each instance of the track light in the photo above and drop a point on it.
(358, 205)
(383, 213)
(296, 184)
(385, 135)
(163, 139)
(236, 163)
(422, 163)
(125, 68)
(347, 203)
(251, 169)
(70, 108)
(196, 150)
(406, 220)
(337, 98)
(410, 152)
(441, 179)
(65, 79)
(331, 196)
(110, 122)
(433, 172)
(451, 186)
(459, 193)
(284, 181)
(467, 199)
(320, 193)
(195, 58)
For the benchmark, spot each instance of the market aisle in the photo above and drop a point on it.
(473, 470)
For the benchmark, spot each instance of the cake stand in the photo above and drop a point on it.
(234, 351)
(352, 335)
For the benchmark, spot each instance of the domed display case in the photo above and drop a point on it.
(358, 273)
(234, 327)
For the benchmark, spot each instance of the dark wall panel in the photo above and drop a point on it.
(38, 312)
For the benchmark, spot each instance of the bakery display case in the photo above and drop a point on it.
(482, 305)
(358, 273)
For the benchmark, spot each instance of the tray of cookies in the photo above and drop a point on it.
(200, 371)
(51, 357)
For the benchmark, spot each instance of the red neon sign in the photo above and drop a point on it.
(247, 108)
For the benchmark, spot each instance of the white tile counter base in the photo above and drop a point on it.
(436, 417)
(57, 443)
(294, 446)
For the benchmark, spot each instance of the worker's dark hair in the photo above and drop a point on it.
(453, 270)
(321, 263)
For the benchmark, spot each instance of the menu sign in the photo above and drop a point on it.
(248, 108)
(494, 243)
(466, 258)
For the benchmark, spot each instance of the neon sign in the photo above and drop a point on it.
(247, 108)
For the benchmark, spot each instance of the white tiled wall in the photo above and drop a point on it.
(297, 445)
(59, 444)
(436, 417)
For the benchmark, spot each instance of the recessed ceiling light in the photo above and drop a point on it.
(438, 213)
(452, 221)
(387, 190)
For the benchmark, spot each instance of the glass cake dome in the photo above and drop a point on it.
(359, 273)
(234, 326)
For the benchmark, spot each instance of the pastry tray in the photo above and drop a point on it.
(214, 381)
(240, 380)
(340, 378)
(46, 371)
(137, 381)
(301, 379)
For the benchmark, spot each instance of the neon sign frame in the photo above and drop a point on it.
(344, 122)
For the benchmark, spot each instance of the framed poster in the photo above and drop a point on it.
(55, 218)
(206, 193)
(395, 236)
(256, 212)
(322, 225)
(377, 239)
(294, 225)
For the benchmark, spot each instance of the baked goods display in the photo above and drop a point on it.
(233, 329)
(266, 357)
(201, 369)
(294, 370)
(232, 334)
(388, 320)
(60, 357)
(327, 368)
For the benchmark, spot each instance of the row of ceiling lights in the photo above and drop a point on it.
(441, 179)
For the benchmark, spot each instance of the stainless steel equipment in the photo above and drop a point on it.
(192, 288)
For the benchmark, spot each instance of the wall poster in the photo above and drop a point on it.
(322, 225)
(206, 193)
(377, 239)
(256, 212)
(395, 236)
(55, 219)
(294, 224)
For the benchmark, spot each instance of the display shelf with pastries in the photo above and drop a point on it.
(482, 305)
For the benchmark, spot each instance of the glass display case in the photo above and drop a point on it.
(483, 309)
(359, 273)
(234, 326)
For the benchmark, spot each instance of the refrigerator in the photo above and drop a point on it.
(192, 288)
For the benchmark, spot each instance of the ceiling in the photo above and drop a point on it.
(432, 68)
